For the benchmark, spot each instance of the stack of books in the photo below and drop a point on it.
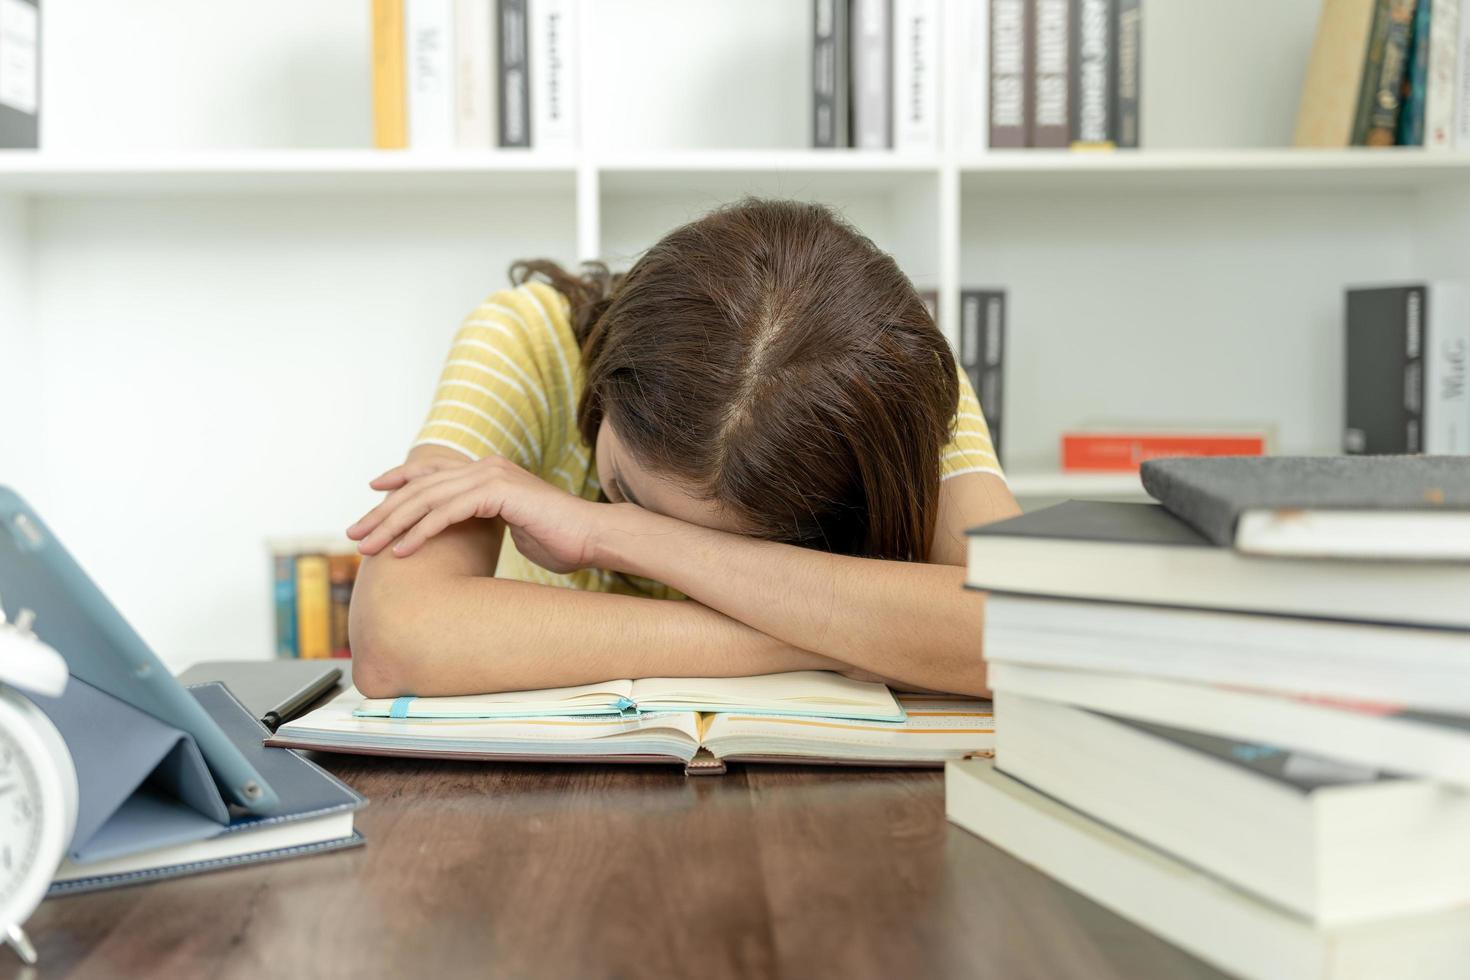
(311, 590)
(1241, 716)
(1388, 73)
(1033, 73)
(475, 74)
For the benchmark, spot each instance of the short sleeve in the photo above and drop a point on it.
(970, 449)
(510, 381)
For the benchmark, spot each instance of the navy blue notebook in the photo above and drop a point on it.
(148, 807)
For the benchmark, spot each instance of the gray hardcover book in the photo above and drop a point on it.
(1091, 104)
(1050, 64)
(20, 74)
(1385, 370)
(1129, 72)
(514, 69)
(982, 353)
(872, 74)
(1009, 125)
(1210, 494)
(830, 53)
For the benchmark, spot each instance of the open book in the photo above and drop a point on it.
(935, 729)
(809, 693)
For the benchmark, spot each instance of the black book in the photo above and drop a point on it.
(1418, 506)
(20, 74)
(1141, 553)
(831, 53)
(1050, 65)
(1385, 370)
(514, 69)
(982, 353)
(1010, 49)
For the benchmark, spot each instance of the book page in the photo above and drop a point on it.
(808, 693)
(605, 697)
(937, 729)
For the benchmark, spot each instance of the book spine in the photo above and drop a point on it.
(1446, 350)
(1385, 371)
(1092, 104)
(1461, 137)
(1050, 54)
(342, 572)
(1372, 70)
(1129, 72)
(313, 607)
(1439, 86)
(1123, 452)
(916, 75)
(474, 96)
(1416, 76)
(429, 28)
(991, 389)
(20, 74)
(554, 71)
(872, 99)
(284, 573)
(1009, 126)
(1385, 104)
(513, 72)
(972, 20)
(830, 62)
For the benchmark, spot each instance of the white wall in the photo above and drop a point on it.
(1107, 321)
(218, 371)
(20, 443)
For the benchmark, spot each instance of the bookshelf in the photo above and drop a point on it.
(224, 310)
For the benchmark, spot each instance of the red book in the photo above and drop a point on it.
(1122, 452)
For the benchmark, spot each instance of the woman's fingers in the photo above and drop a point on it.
(414, 484)
(454, 511)
(411, 505)
(403, 473)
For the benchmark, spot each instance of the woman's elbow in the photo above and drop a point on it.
(382, 649)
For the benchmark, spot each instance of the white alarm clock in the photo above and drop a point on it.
(38, 782)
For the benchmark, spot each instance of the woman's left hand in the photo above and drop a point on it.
(551, 527)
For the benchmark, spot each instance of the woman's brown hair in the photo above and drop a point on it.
(770, 358)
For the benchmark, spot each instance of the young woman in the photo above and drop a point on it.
(760, 416)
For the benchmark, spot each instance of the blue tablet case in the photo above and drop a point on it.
(144, 785)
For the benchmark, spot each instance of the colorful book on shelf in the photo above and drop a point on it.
(1439, 83)
(1380, 99)
(803, 693)
(312, 580)
(935, 729)
(1416, 78)
(1124, 452)
(1335, 74)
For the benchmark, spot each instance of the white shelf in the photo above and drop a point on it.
(1085, 486)
(1033, 171)
(1260, 169)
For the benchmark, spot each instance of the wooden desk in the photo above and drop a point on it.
(586, 871)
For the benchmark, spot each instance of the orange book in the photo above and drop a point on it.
(313, 607)
(1123, 452)
(390, 100)
(341, 573)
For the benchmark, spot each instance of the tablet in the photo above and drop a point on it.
(73, 616)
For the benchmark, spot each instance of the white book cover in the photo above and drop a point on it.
(1446, 351)
(474, 74)
(555, 74)
(1439, 90)
(916, 74)
(1461, 107)
(872, 123)
(970, 53)
(429, 36)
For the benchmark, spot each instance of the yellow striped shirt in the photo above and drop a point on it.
(510, 388)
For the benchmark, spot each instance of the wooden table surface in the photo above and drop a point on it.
(610, 871)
